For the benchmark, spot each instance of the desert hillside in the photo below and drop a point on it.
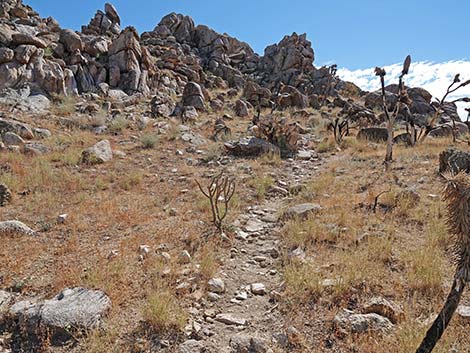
(174, 191)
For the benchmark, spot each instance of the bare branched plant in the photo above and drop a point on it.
(439, 108)
(457, 196)
(221, 129)
(377, 197)
(219, 192)
(340, 127)
(391, 116)
(332, 71)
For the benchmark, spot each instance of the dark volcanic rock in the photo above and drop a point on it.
(374, 134)
(251, 147)
(454, 161)
(447, 130)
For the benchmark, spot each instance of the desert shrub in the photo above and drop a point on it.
(149, 141)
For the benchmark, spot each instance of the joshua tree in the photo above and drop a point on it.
(457, 196)
(391, 116)
(439, 105)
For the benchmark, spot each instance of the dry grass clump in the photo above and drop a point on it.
(98, 341)
(303, 283)
(163, 312)
(351, 253)
(64, 106)
(209, 263)
(261, 185)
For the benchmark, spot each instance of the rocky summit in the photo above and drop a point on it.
(176, 191)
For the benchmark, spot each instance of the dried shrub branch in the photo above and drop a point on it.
(219, 192)
(440, 103)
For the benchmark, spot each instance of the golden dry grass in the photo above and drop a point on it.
(400, 252)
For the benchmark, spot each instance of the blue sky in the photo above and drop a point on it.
(354, 34)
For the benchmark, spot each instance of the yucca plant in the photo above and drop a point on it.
(439, 108)
(457, 197)
(391, 116)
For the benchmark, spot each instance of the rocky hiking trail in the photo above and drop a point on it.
(245, 315)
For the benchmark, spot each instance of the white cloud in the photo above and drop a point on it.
(434, 77)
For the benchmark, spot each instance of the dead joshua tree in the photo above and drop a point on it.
(439, 105)
(457, 196)
(219, 191)
(220, 128)
(332, 70)
(391, 116)
(340, 127)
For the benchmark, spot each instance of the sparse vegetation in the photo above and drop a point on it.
(307, 225)
(163, 313)
(220, 190)
(149, 141)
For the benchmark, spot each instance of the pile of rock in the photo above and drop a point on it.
(107, 22)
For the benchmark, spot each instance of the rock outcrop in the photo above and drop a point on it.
(52, 60)
(71, 310)
(454, 161)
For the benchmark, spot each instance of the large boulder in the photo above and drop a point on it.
(291, 97)
(130, 64)
(385, 308)
(447, 130)
(251, 147)
(179, 26)
(22, 100)
(12, 139)
(241, 108)
(348, 321)
(24, 38)
(112, 13)
(71, 40)
(71, 310)
(104, 23)
(23, 130)
(101, 152)
(193, 96)
(454, 161)
(15, 228)
(257, 95)
(301, 211)
(6, 55)
(374, 100)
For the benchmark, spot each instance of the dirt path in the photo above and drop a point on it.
(245, 317)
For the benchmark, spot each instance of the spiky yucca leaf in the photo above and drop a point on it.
(457, 197)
